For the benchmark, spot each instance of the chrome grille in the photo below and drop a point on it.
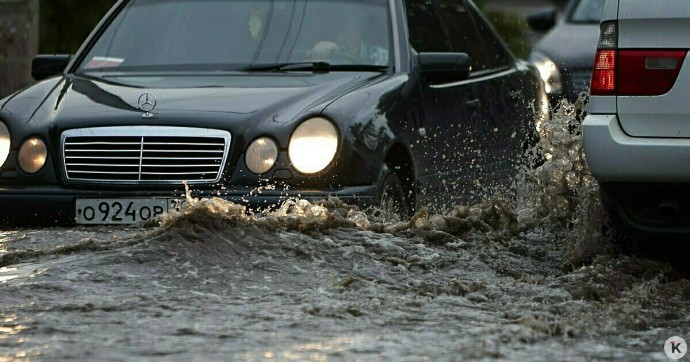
(145, 155)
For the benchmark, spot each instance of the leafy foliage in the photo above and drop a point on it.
(512, 29)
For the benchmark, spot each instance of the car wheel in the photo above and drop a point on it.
(621, 238)
(657, 247)
(624, 239)
(392, 200)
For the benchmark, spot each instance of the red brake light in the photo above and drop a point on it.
(648, 72)
(604, 73)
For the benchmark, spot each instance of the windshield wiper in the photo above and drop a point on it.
(317, 67)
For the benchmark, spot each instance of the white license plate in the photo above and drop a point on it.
(124, 211)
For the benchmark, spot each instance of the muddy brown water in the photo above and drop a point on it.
(529, 277)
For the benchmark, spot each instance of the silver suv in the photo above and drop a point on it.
(637, 133)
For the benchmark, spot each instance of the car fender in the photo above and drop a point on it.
(372, 119)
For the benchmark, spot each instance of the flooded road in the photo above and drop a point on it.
(525, 278)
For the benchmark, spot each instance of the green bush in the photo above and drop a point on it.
(512, 29)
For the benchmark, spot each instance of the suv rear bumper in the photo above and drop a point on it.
(613, 156)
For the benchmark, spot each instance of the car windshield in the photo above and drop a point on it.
(587, 11)
(192, 35)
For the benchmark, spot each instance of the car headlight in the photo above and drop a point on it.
(261, 155)
(4, 143)
(32, 155)
(313, 145)
(549, 72)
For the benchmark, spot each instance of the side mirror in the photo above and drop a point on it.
(444, 67)
(44, 66)
(542, 21)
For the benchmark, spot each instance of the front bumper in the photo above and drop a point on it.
(613, 156)
(41, 205)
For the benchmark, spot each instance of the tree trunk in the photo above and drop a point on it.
(18, 43)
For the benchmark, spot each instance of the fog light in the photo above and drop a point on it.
(261, 155)
(4, 143)
(32, 155)
(313, 145)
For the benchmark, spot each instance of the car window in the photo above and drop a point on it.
(587, 11)
(463, 32)
(497, 54)
(426, 33)
(218, 35)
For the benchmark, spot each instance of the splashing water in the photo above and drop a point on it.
(559, 192)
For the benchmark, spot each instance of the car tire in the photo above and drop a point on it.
(392, 200)
(628, 241)
(623, 240)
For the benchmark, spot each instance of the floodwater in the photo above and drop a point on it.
(524, 278)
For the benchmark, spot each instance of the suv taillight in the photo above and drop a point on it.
(632, 72)
(604, 71)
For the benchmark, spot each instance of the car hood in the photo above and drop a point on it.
(279, 98)
(571, 46)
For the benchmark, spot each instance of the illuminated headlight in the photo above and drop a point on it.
(4, 143)
(261, 155)
(313, 145)
(32, 155)
(549, 72)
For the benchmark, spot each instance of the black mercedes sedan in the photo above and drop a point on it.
(396, 104)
